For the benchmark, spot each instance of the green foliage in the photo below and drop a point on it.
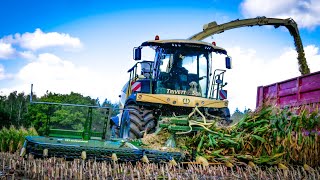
(12, 139)
(12, 109)
(237, 116)
(16, 110)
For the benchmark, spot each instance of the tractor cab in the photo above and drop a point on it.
(180, 67)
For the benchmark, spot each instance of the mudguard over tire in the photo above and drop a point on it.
(136, 121)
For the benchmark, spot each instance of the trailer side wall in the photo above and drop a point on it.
(295, 92)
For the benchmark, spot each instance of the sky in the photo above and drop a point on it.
(85, 46)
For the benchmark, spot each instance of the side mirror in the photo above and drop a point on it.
(137, 53)
(228, 62)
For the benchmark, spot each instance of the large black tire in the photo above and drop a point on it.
(140, 120)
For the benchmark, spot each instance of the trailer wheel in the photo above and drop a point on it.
(135, 121)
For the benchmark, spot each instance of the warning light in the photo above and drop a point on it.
(214, 43)
(157, 37)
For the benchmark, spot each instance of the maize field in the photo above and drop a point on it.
(12, 139)
(14, 167)
(270, 136)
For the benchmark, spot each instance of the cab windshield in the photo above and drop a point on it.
(183, 72)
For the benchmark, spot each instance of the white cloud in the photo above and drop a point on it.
(251, 70)
(39, 40)
(27, 55)
(3, 74)
(313, 57)
(6, 50)
(305, 12)
(25, 45)
(49, 72)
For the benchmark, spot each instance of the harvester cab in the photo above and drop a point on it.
(179, 79)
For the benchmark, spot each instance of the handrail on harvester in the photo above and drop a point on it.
(88, 122)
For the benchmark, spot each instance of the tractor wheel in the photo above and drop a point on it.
(135, 121)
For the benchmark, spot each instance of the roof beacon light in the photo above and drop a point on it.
(214, 43)
(157, 37)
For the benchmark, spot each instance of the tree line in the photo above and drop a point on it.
(16, 110)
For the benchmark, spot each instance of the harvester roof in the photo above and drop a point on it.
(184, 43)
